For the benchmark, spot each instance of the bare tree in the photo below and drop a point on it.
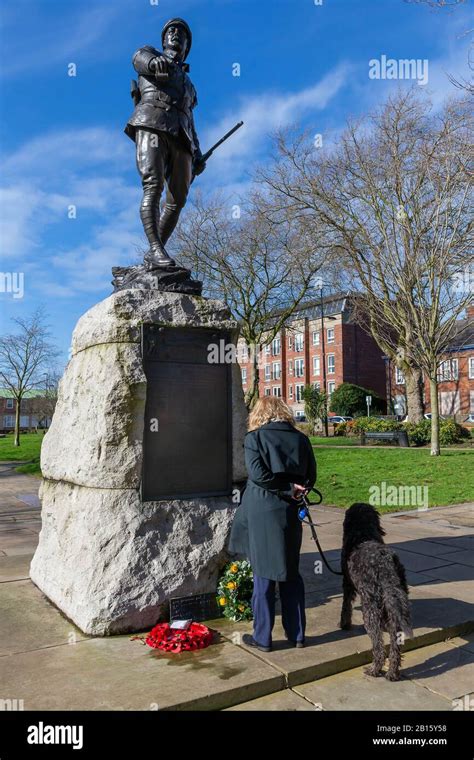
(43, 405)
(449, 6)
(394, 194)
(262, 270)
(24, 356)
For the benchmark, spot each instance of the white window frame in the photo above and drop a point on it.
(470, 364)
(276, 373)
(9, 404)
(299, 342)
(331, 387)
(299, 367)
(276, 346)
(267, 392)
(316, 369)
(316, 338)
(317, 385)
(290, 366)
(244, 374)
(290, 391)
(276, 391)
(299, 387)
(290, 341)
(268, 348)
(448, 370)
(330, 335)
(8, 421)
(332, 366)
(399, 376)
(268, 373)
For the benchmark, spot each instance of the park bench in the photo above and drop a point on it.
(401, 436)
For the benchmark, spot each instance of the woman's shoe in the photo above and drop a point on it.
(296, 644)
(250, 642)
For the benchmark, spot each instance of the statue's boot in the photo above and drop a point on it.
(157, 256)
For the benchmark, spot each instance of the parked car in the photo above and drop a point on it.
(428, 416)
(470, 419)
(338, 418)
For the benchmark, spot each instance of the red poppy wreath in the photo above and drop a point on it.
(196, 636)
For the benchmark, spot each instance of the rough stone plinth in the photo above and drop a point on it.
(107, 560)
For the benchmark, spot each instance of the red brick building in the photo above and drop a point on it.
(302, 349)
(455, 376)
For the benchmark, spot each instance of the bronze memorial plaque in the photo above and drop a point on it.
(187, 439)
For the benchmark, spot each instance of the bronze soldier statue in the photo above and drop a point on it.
(162, 126)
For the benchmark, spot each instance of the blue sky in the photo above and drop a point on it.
(62, 138)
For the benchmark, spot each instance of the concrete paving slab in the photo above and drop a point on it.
(16, 568)
(354, 690)
(452, 572)
(466, 641)
(461, 557)
(29, 621)
(283, 701)
(445, 670)
(419, 562)
(116, 673)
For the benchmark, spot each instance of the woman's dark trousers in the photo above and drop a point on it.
(292, 609)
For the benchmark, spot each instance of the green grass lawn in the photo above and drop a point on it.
(29, 448)
(338, 440)
(346, 475)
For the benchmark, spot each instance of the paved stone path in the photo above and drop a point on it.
(49, 664)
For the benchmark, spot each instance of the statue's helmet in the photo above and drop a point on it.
(178, 22)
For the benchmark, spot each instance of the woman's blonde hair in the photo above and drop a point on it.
(269, 409)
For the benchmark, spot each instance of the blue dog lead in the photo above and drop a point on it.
(303, 504)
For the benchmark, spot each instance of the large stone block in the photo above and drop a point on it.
(107, 560)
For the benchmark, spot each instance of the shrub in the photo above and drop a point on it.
(349, 399)
(370, 424)
(419, 433)
(450, 432)
(341, 429)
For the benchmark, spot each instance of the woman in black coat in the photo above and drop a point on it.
(266, 529)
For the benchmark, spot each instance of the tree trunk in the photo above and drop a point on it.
(435, 452)
(413, 385)
(253, 393)
(16, 441)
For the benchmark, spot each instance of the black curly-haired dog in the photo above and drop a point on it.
(374, 571)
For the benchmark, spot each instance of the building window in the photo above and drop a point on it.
(267, 391)
(450, 402)
(276, 390)
(276, 346)
(471, 368)
(244, 352)
(448, 370)
(471, 402)
(299, 341)
(244, 375)
(290, 367)
(290, 391)
(331, 388)
(331, 364)
(316, 336)
(268, 370)
(316, 365)
(317, 385)
(9, 403)
(299, 392)
(330, 334)
(268, 348)
(290, 341)
(299, 367)
(399, 377)
(8, 421)
(276, 370)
